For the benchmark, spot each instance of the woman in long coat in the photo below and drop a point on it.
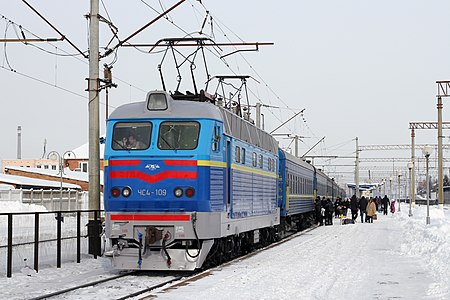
(371, 211)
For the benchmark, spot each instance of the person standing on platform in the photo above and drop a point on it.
(354, 207)
(329, 212)
(362, 208)
(371, 210)
(385, 203)
(317, 210)
(393, 206)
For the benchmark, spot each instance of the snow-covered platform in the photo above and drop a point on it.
(396, 257)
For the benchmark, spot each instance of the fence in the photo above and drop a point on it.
(31, 236)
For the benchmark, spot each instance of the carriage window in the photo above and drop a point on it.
(260, 161)
(254, 159)
(178, 135)
(243, 156)
(131, 136)
(237, 154)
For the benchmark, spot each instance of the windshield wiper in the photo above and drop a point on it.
(171, 147)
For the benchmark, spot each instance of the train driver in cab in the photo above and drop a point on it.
(134, 143)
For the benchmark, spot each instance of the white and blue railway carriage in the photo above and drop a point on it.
(296, 190)
(322, 184)
(183, 177)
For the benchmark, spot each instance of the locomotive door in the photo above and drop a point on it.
(228, 177)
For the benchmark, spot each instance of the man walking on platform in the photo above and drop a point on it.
(354, 207)
(385, 203)
(362, 207)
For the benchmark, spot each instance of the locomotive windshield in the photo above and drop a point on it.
(178, 135)
(132, 136)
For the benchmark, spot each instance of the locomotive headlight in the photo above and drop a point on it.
(115, 192)
(126, 192)
(178, 192)
(190, 192)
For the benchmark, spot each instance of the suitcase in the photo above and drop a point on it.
(374, 217)
(347, 221)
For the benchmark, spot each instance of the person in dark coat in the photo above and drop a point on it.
(337, 208)
(354, 207)
(385, 203)
(329, 212)
(377, 202)
(317, 211)
(323, 206)
(362, 208)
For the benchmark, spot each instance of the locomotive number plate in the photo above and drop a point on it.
(157, 192)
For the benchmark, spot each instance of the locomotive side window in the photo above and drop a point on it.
(216, 139)
(178, 135)
(131, 135)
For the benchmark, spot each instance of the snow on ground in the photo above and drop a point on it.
(395, 257)
(388, 259)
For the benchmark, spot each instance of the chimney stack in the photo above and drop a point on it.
(19, 142)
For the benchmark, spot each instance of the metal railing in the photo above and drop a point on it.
(59, 217)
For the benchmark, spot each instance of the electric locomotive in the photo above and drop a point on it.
(186, 179)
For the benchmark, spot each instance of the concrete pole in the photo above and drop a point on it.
(357, 170)
(428, 192)
(19, 142)
(398, 188)
(94, 225)
(94, 116)
(411, 191)
(440, 159)
(413, 170)
(296, 145)
(258, 115)
(390, 189)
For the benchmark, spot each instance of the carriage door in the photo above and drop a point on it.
(228, 177)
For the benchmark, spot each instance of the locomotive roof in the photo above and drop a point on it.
(175, 109)
(233, 125)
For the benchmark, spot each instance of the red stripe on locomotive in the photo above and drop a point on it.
(124, 162)
(180, 162)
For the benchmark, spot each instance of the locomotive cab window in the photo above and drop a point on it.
(157, 101)
(131, 136)
(178, 135)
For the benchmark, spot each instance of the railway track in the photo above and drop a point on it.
(183, 282)
(119, 284)
(150, 282)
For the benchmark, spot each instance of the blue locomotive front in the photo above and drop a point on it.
(175, 183)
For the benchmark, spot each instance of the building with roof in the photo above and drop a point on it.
(21, 182)
(75, 160)
(79, 179)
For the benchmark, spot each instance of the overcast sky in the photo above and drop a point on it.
(360, 68)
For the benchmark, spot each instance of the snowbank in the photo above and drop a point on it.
(429, 244)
